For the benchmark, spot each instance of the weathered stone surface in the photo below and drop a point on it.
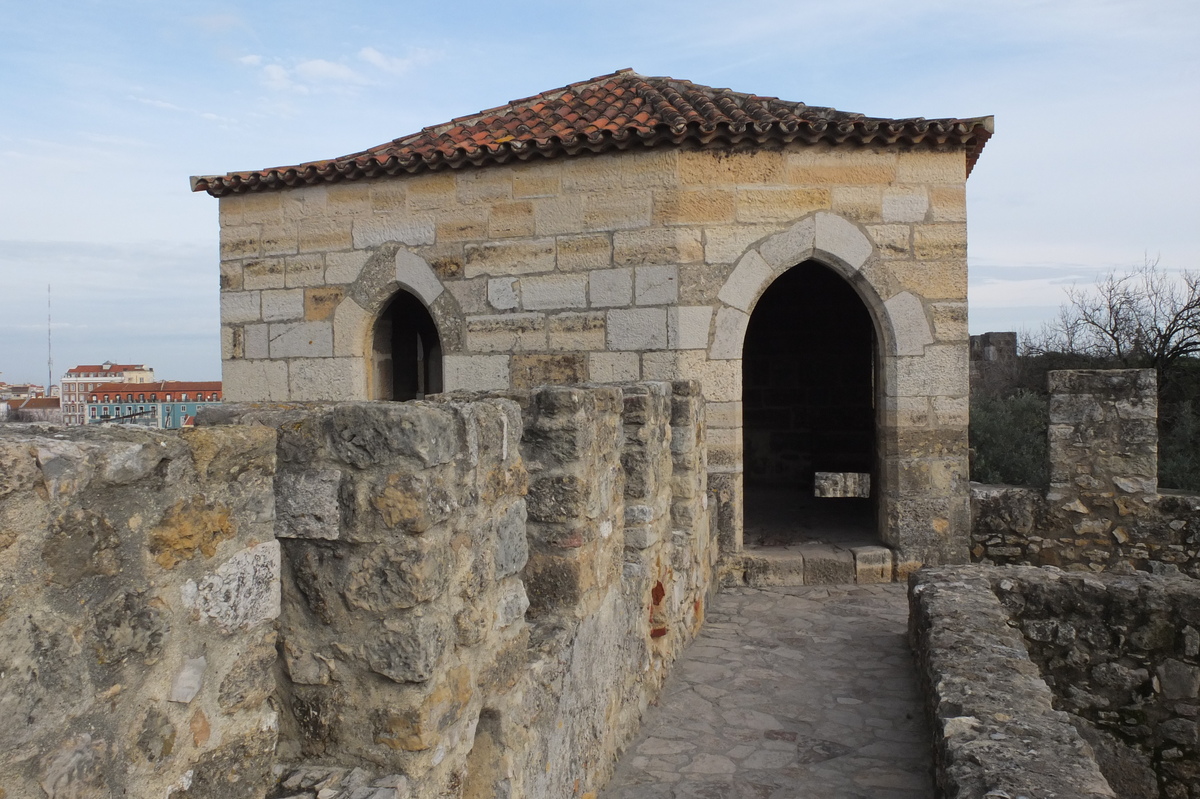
(841, 484)
(306, 504)
(984, 728)
(251, 679)
(367, 434)
(393, 578)
(188, 680)
(130, 623)
(242, 593)
(410, 647)
(190, 526)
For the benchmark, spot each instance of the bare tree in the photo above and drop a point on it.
(1143, 317)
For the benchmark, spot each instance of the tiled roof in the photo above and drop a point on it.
(612, 112)
(112, 368)
(170, 386)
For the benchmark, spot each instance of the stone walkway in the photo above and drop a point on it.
(788, 692)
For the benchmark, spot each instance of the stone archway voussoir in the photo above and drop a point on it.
(416, 275)
(841, 241)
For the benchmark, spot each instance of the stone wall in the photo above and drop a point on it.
(1118, 657)
(481, 595)
(139, 584)
(639, 265)
(474, 596)
(1102, 510)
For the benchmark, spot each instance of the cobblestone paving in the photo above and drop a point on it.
(788, 692)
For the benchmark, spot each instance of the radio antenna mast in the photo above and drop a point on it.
(49, 346)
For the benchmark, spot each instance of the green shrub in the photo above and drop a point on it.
(1008, 439)
(1179, 447)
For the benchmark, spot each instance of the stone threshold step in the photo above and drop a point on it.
(817, 564)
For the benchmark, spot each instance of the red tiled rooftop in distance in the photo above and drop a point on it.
(613, 112)
(112, 368)
(167, 386)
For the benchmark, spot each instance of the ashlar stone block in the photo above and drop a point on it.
(577, 332)
(687, 327)
(637, 329)
(905, 205)
(554, 292)
(746, 282)
(414, 273)
(279, 305)
(504, 293)
(610, 287)
(794, 245)
(656, 285)
(910, 325)
(301, 340)
(240, 306)
(372, 231)
(613, 367)
(506, 332)
(344, 267)
(657, 246)
(779, 204)
(730, 334)
(510, 257)
(326, 379)
(581, 253)
(475, 372)
(263, 273)
(255, 381)
(838, 239)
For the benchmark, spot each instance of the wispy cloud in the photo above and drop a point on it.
(395, 65)
(155, 103)
(323, 75)
(163, 105)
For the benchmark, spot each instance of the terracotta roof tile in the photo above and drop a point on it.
(612, 112)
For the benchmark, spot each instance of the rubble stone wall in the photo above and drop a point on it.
(139, 586)
(638, 265)
(1116, 656)
(482, 594)
(1102, 510)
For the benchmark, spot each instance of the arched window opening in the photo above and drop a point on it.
(406, 351)
(809, 414)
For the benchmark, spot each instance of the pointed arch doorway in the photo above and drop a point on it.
(406, 351)
(809, 393)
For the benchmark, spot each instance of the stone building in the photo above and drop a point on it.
(807, 266)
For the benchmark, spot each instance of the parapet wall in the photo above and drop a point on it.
(482, 594)
(139, 584)
(1102, 510)
(1042, 682)
(472, 596)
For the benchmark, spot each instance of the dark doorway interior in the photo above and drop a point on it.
(808, 406)
(407, 353)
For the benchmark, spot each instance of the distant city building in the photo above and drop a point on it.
(21, 391)
(77, 382)
(31, 409)
(168, 404)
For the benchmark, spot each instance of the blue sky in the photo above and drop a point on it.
(108, 107)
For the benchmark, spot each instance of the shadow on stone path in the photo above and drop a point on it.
(788, 692)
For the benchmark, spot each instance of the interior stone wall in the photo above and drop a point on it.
(639, 265)
(1116, 656)
(139, 587)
